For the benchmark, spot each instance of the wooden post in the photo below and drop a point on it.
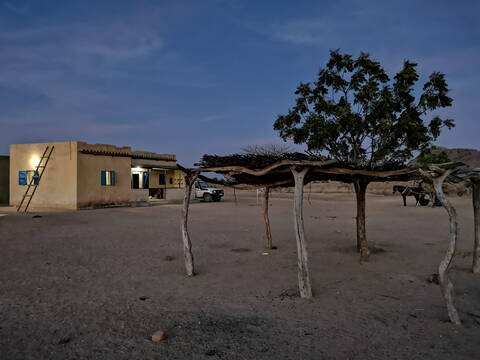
(444, 267)
(476, 219)
(266, 219)
(187, 245)
(303, 275)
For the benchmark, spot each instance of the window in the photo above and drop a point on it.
(25, 177)
(108, 178)
(140, 180)
(201, 185)
(162, 179)
(135, 181)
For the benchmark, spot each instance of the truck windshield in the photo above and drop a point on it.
(202, 184)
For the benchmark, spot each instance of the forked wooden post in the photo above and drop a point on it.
(444, 267)
(266, 219)
(187, 245)
(476, 219)
(303, 275)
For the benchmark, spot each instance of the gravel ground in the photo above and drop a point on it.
(96, 284)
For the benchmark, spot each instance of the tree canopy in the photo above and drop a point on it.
(357, 114)
(432, 155)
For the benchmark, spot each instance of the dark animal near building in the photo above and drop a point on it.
(417, 192)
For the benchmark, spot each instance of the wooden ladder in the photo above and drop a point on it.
(35, 180)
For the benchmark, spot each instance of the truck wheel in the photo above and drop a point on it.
(207, 197)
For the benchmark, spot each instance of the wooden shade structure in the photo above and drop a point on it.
(296, 170)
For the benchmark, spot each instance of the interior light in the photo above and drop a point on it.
(34, 161)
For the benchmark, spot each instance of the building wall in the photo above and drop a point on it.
(58, 186)
(91, 192)
(139, 195)
(154, 180)
(72, 178)
(175, 179)
(4, 179)
(175, 195)
(148, 163)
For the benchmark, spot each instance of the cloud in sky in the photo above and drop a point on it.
(71, 44)
(16, 8)
(320, 32)
(61, 66)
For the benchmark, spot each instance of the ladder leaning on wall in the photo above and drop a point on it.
(35, 179)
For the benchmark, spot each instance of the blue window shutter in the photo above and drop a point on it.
(104, 178)
(112, 178)
(162, 180)
(145, 180)
(22, 178)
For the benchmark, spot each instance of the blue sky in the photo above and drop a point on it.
(210, 76)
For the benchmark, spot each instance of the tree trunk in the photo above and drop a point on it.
(266, 219)
(476, 219)
(187, 245)
(444, 267)
(362, 243)
(303, 275)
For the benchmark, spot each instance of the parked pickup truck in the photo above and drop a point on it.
(206, 192)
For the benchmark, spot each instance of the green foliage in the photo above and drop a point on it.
(432, 156)
(356, 114)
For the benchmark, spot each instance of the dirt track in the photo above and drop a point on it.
(96, 284)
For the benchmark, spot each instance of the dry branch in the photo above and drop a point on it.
(476, 217)
(255, 187)
(266, 170)
(444, 267)
(187, 244)
(266, 219)
(303, 274)
(380, 174)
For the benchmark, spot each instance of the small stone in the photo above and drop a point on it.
(64, 340)
(211, 352)
(158, 336)
(433, 279)
(241, 250)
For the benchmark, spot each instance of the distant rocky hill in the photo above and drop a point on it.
(470, 157)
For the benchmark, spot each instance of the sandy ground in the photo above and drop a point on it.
(96, 284)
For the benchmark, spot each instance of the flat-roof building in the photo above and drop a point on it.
(80, 175)
(4, 179)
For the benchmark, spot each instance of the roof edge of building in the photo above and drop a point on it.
(124, 151)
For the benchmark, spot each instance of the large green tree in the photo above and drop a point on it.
(355, 113)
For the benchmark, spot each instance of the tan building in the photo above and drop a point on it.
(4, 179)
(80, 175)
